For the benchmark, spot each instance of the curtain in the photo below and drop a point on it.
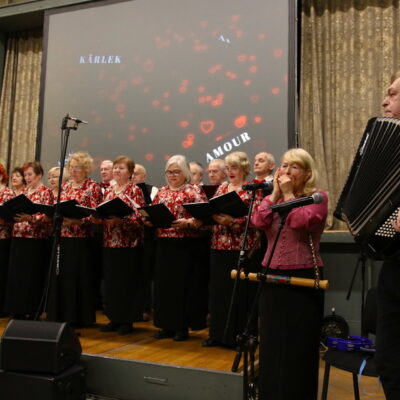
(349, 50)
(19, 101)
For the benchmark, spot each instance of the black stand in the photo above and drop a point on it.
(361, 261)
(68, 123)
(247, 342)
(241, 265)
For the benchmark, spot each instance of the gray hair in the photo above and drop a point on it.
(182, 163)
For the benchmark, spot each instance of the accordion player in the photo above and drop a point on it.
(370, 198)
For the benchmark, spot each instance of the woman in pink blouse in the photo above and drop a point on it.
(226, 242)
(5, 236)
(290, 316)
(122, 245)
(72, 293)
(29, 255)
(179, 286)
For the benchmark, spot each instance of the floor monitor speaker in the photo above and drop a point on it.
(39, 346)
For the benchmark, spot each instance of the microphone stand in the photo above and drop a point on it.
(68, 123)
(248, 343)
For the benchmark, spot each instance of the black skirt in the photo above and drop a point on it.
(221, 289)
(180, 286)
(290, 331)
(72, 294)
(123, 284)
(28, 265)
(4, 261)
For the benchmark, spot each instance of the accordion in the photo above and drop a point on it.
(370, 198)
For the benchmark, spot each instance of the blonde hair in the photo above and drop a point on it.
(182, 163)
(54, 169)
(83, 159)
(239, 159)
(304, 160)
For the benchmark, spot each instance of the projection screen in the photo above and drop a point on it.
(155, 78)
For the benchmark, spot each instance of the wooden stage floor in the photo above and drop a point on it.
(141, 346)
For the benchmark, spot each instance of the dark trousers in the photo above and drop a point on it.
(180, 287)
(290, 329)
(4, 257)
(387, 356)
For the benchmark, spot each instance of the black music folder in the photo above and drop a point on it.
(21, 205)
(145, 190)
(68, 209)
(209, 190)
(228, 203)
(159, 215)
(6, 214)
(72, 209)
(113, 208)
(47, 209)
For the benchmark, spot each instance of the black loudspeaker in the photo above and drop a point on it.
(69, 385)
(39, 346)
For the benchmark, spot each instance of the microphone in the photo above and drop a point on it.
(315, 198)
(77, 120)
(260, 185)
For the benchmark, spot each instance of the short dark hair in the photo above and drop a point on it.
(35, 165)
(130, 164)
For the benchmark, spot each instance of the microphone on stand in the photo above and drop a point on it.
(77, 120)
(259, 185)
(315, 198)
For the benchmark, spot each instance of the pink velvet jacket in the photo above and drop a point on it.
(293, 249)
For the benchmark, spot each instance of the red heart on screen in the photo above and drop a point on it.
(240, 121)
(207, 126)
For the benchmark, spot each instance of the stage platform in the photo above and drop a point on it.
(139, 367)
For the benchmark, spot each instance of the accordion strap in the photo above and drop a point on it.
(314, 257)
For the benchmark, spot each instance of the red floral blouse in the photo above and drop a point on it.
(37, 229)
(228, 238)
(130, 232)
(174, 199)
(88, 195)
(6, 194)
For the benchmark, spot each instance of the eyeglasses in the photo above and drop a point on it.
(175, 172)
(75, 168)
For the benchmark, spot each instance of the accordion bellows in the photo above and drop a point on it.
(370, 198)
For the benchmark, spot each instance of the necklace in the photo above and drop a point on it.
(77, 185)
(232, 187)
(33, 189)
(177, 188)
(118, 189)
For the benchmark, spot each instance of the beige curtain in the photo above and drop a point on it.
(19, 101)
(349, 49)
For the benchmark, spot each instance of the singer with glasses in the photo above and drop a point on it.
(291, 316)
(72, 290)
(180, 286)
